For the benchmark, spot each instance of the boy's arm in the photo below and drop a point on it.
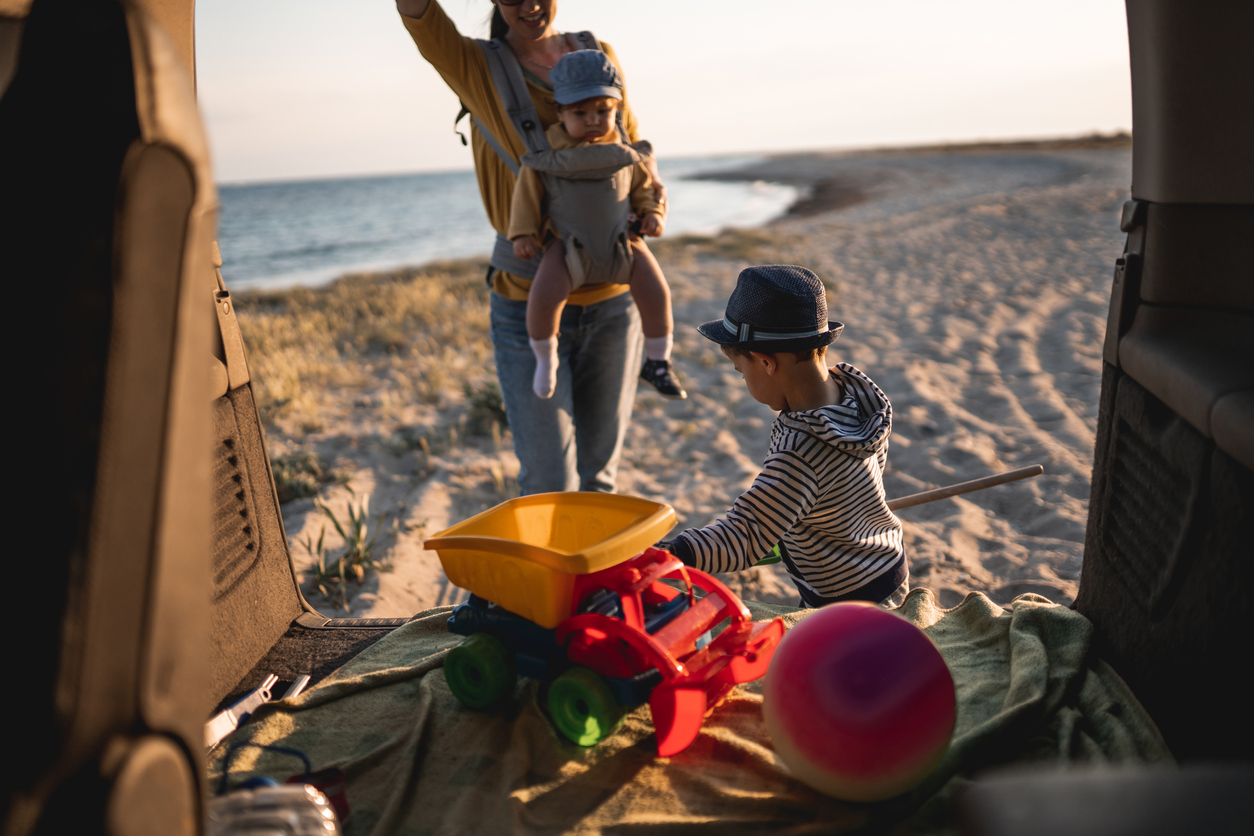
(783, 493)
(526, 216)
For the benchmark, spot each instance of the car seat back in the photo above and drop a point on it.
(105, 162)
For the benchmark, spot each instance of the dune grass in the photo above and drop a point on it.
(301, 474)
(425, 328)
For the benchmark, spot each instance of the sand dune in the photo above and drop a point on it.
(973, 286)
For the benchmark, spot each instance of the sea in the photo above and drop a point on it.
(307, 233)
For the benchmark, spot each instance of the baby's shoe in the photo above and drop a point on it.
(658, 374)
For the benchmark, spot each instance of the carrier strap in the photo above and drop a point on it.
(592, 162)
(511, 88)
(503, 258)
(509, 161)
(487, 136)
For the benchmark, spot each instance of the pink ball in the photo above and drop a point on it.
(859, 702)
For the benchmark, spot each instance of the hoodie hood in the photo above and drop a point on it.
(859, 425)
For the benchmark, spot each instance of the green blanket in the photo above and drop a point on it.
(1028, 689)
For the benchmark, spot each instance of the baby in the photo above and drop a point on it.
(575, 203)
(820, 495)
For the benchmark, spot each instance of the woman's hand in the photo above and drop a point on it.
(525, 246)
(652, 225)
(412, 8)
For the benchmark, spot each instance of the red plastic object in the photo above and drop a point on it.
(694, 681)
(859, 702)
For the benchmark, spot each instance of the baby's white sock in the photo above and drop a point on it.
(545, 380)
(659, 348)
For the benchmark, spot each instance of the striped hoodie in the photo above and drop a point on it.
(821, 496)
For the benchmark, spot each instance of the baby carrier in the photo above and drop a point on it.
(511, 88)
(591, 222)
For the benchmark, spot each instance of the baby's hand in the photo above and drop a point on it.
(652, 225)
(525, 246)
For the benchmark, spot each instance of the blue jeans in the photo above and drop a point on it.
(571, 441)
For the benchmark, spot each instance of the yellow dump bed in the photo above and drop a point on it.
(524, 554)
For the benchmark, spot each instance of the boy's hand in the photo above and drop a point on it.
(525, 246)
(652, 225)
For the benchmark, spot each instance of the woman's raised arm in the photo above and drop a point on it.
(457, 59)
(412, 8)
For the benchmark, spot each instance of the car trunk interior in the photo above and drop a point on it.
(157, 614)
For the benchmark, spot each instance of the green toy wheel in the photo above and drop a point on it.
(480, 671)
(583, 708)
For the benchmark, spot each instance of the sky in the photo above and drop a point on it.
(331, 88)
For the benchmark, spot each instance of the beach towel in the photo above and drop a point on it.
(1029, 691)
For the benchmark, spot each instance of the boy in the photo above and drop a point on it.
(574, 202)
(820, 495)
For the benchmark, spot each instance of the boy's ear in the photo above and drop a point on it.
(770, 363)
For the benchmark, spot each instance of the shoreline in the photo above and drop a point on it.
(974, 285)
(826, 181)
(828, 187)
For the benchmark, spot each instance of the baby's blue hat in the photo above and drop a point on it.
(584, 74)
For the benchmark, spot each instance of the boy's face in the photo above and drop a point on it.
(591, 120)
(761, 378)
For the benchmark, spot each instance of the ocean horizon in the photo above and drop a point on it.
(282, 234)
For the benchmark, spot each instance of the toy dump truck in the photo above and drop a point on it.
(565, 589)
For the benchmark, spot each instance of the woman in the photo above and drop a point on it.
(573, 440)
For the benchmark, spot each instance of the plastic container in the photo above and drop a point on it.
(291, 810)
(525, 553)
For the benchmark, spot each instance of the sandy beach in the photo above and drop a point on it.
(973, 283)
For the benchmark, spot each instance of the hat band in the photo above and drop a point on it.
(744, 332)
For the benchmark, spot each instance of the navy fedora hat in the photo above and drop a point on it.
(775, 307)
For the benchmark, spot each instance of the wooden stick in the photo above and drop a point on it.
(965, 487)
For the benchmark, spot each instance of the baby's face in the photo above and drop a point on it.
(591, 120)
